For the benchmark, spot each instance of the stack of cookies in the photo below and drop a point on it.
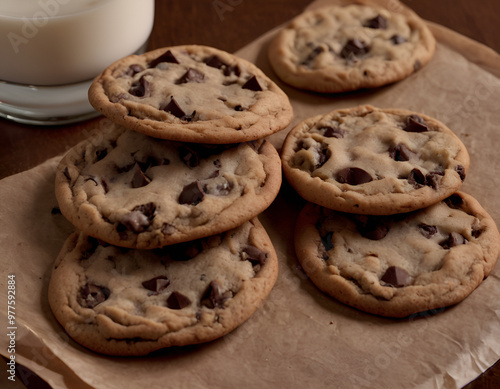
(165, 197)
(385, 229)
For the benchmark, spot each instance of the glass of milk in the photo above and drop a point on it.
(50, 51)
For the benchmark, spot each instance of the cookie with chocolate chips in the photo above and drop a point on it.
(120, 301)
(135, 191)
(344, 48)
(374, 161)
(403, 264)
(191, 94)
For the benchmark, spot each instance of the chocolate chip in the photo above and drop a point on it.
(398, 39)
(461, 172)
(371, 227)
(415, 123)
(89, 248)
(476, 232)
(192, 194)
(400, 152)
(416, 178)
(378, 22)
(141, 89)
(174, 108)
(253, 254)
(427, 230)
(396, 277)
(332, 132)
(139, 179)
(353, 176)
(166, 57)
(354, 48)
(92, 295)
(252, 84)
(454, 239)
(55, 211)
(177, 300)
(455, 201)
(192, 75)
(417, 65)
(156, 284)
(214, 297)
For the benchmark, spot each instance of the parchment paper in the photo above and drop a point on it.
(299, 338)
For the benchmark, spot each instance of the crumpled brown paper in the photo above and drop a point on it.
(299, 338)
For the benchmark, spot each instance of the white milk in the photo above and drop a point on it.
(60, 42)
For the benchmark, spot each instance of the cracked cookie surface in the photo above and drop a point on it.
(343, 48)
(132, 302)
(191, 93)
(374, 161)
(401, 264)
(135, 191)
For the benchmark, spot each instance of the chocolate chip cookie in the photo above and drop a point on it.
(374, 161)
(132, 190)
(401, 264)
(131, 302)
(343, 48)
(191, 93)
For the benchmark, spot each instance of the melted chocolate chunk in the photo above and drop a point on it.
(401, 153)
(166, 57)
(92, 295)
(252, 84)
(427, 230)
(134, 69)
(461, 172)
(313, 54)
(156, 284)
(192, 75)
(66, 174)
(433, 179)
(353, 176)
(415, 123)
(189, 156)
(378, 22)
(371, 227)
(214, 297)
(454, 239)
(215, 62)
(139, 179)
(332, 132)
(139, 219)
(354, 48)
(174, 108)
(255, 255)
(416, 178)
(101, 154)
(398, 39)
(192, 194)
(323, 155)
(177, 300)
(326, 240)
(455, 201)
(141, 89)
(396, 277)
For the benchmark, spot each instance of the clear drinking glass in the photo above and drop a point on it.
(50, 51)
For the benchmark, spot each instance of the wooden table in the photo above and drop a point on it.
(229, 25)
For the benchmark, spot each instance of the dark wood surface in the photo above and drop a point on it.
(229, 25)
